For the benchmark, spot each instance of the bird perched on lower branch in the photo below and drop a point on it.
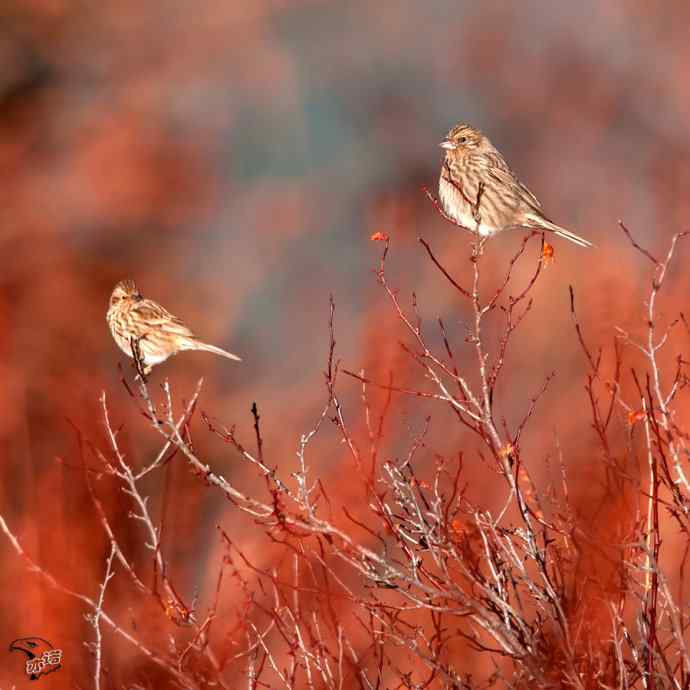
(479, 191)
(148, 332)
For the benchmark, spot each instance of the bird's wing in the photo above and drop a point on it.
(505, 177)
(156, 317)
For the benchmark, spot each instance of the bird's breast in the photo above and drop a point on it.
(455, 205)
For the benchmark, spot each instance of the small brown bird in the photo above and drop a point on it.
(143, 326)
(503, 203)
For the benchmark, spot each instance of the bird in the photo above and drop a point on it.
(41, 657)
(480, 192)
(147, 332)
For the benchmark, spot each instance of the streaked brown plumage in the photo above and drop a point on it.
(504, 203)
(144, 324)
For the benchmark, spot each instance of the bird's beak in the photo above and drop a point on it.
(448, 145)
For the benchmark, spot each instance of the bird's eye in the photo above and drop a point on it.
(463, 140)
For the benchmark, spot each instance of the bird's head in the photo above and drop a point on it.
(31, 646)
(463, 139)
(36, 648)
(125, 290)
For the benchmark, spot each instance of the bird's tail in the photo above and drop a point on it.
(540, 223)
(197, 345)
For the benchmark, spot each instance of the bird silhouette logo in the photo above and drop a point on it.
(41, 657)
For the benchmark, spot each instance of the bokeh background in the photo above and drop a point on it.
(234, 158)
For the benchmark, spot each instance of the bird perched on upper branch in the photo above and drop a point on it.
(480, 192)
